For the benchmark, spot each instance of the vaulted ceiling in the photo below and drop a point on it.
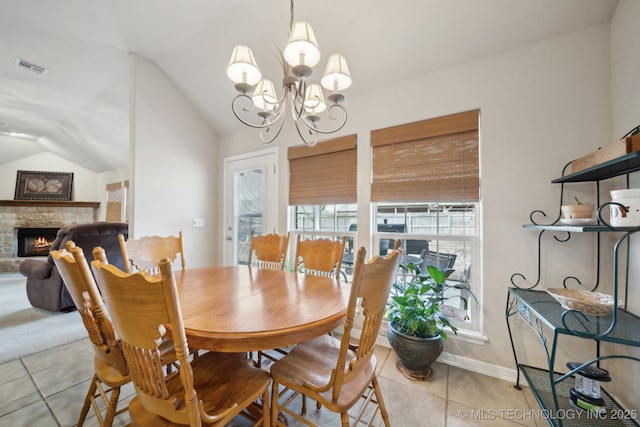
(79, 109)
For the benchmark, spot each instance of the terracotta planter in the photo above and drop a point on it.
(415, 355)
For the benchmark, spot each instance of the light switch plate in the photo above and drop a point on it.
(198, 222)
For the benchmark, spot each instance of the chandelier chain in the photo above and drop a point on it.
(291, 19)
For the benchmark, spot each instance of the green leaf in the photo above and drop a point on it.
(436, 274)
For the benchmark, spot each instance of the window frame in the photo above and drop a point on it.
(473, 326)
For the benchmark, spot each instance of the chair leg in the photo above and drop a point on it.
(112, 407)
(381, 405)
(344, 416)
(110, 397)
(266, 415)
(274, 403)
(87, 400)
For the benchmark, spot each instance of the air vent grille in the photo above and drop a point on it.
(30, 66)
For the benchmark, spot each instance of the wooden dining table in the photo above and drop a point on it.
(241, 309)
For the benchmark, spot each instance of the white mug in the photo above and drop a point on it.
(630, 199)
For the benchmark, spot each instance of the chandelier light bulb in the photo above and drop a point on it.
(314, 99)
(242, 69)
(302, 51)
(264, 97)
(336, 75)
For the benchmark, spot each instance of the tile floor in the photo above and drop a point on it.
(47, 389)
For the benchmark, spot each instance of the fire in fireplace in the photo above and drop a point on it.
(35, 241)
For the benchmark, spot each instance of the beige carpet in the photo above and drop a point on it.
(26, 330)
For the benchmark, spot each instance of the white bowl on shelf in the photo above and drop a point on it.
(578, 211)
(578, 221)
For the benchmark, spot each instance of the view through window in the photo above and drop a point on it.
(444, 234)
(440, 234)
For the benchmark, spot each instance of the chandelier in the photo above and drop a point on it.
(258, 106)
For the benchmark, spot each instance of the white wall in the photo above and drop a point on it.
(173, 165)
(625, 87)
(88, 186)
(541, 107)
(84, 181)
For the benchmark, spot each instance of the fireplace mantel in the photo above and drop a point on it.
(50, 203)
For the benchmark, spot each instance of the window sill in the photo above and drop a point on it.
(465, 335)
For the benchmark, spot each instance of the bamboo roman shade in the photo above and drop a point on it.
(323, 174)
(434, 160)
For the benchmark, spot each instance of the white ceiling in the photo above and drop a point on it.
(79, 109)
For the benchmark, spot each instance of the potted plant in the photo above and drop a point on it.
(416, 322)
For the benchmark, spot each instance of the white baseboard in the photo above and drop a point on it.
(473, 365)
(500, 372)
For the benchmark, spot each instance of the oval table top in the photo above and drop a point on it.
(238, 309)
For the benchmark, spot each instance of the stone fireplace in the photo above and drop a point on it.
(31, 214)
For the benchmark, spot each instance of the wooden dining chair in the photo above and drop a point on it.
(167, 348)
(270, 251)
(146, 252)
(111, 371)
(209, 390)
(337, 373)
(319, 257)
(270, 254)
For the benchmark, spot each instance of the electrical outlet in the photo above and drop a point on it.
(198, 222)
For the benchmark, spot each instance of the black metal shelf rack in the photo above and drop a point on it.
(546, 316)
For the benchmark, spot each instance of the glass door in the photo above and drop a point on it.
(251, 201)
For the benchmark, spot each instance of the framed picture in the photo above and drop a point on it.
(38, 185)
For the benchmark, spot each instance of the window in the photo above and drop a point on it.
(322, 190)
(425, 190)
(325, 218)
(117, 209)
(442, 234)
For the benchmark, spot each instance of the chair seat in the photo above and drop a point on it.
(109, 374)
(220, 380)
(312, 363)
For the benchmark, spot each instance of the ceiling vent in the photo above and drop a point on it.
(30, 66)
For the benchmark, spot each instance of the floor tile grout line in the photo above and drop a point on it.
(446, 398)
(40, 392)
(446, 421)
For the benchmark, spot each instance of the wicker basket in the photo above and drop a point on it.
(590, 303)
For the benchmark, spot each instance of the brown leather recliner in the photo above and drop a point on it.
(45, 288)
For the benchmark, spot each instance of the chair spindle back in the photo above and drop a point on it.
(372, 281)
(76, 274)
(319, 257)
(146, 252)
(140, 305)
(270, 251)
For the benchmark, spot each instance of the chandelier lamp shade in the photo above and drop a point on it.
(259, 106)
